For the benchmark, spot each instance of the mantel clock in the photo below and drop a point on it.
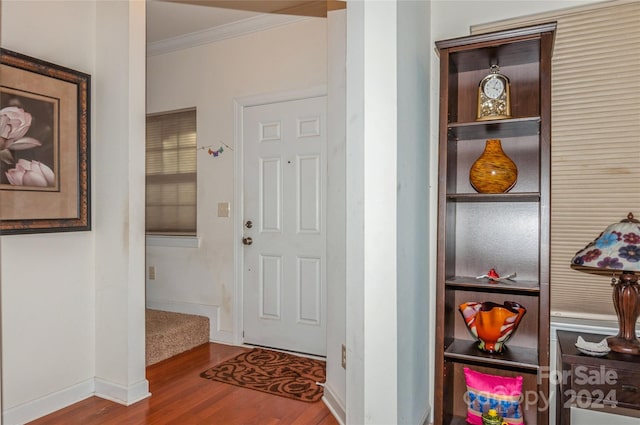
(494, 101)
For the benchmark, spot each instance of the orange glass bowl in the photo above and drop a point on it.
(492, 324)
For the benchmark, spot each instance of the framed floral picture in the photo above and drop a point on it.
(44, 146)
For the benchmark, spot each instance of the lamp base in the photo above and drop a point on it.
(622, 345)
(626, 300)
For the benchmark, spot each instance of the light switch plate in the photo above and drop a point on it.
(223, 209)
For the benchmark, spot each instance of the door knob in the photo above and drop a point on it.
(247, 241)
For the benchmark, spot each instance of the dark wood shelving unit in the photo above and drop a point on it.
(506, 231)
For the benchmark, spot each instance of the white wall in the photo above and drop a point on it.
(57, 294)
(413, 209)
(388, 47)
(210, 77)
(119, 152)
(48, 280)
(335, 387)
(454, 18)
(372, 148)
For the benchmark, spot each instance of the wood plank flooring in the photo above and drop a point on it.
(181, 396)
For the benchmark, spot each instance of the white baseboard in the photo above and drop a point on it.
(425, 417)
(224, 337)
(35, 409)
(210, 311)
(121, 394)
(335, 406)
(53, 402)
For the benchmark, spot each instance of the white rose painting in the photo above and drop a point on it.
(44, 146)
(27, 143)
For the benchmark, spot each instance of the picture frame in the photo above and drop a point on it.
(44, 146)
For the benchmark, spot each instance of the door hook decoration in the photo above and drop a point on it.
(217, 152)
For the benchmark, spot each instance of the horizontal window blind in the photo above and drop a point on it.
(595, 149)
(171, 199)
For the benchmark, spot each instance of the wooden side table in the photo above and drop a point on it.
(610, 383)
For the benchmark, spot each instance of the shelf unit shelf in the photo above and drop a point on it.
(505, 231)
(513, 356)
(471, 283)
(499, 129)
(494, 197)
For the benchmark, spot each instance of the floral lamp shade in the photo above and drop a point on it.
(617, 248)
(617, 252)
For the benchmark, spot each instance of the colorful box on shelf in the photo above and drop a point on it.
(491, 392)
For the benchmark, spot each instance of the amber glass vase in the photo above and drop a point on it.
(493, 171)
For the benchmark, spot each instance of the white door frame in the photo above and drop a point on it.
(238, 215)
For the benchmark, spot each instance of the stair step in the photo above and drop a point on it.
(169, 333)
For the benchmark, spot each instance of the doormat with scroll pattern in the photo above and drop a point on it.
(273, 372)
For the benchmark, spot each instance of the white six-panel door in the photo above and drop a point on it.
(284, 283)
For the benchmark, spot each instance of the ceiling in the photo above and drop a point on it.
(167, 19)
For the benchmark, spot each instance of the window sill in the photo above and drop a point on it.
(173, 241)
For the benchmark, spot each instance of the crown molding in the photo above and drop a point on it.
(222, 32)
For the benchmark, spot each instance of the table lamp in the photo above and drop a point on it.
(616, 252)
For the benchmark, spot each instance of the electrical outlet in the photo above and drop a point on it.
(152, 273)
(344, 356)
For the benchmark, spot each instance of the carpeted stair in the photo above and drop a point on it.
(171, 333)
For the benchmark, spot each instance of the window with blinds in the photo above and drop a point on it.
(171, 173)
(595, 144)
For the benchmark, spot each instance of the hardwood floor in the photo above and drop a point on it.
(181, 396)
